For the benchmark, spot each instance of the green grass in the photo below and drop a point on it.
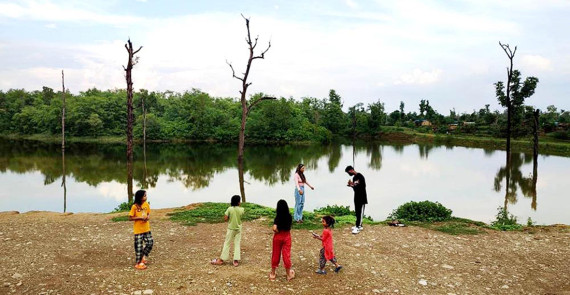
(214, 213)
(454, 226)
(120, 218)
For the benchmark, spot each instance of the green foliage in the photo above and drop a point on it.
(195, 115)
(123, 207)
(562, 135)
(214, 213)
(421, 211)
(334, 210)
(120, 218)
(505, 221)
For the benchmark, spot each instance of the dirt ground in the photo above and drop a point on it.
(54, 253)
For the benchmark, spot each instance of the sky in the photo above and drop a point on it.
(390, 51)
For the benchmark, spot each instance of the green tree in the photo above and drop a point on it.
(515, 93)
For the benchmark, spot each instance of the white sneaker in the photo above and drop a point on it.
(360, 228)
(355, 231)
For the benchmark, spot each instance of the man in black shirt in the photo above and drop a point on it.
(358, 184)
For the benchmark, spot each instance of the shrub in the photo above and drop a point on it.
(421, 211)
(505, 221)
(124, 206)
(334, 210)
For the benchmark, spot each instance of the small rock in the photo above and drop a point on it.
(147, 291)
(17, 276)
(19, 284)
(376, 291)
(447, 266)
(504, 287)
(422, 282)
(6, 284)
(139, 292)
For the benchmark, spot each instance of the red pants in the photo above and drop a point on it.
(281, 245)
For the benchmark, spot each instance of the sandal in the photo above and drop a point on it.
(272, 276)
(236, 263)
(291, 275)
(217, 261)
(338, 269)
(144, 261)
(140, 266)
(321, 272)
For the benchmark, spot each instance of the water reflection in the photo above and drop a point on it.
(95, 179)
(515, 180)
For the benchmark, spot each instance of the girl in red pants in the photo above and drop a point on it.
(282, 240)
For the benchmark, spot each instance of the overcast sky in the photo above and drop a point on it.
(444, 51)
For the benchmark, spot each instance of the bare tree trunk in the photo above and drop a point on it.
(245, 109)
(535, 128)
(144, 119)
(510, 54)
(535, 158)
(63, 111)
(63, 180)
(130, 181)
(63, 143)
(130, 113)
(130, 116)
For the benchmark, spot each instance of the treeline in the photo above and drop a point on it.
(195, 115)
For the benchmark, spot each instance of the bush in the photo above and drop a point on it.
(124, 206)
(505, 221)
(560, 135)
(334, 210)
(421, 211)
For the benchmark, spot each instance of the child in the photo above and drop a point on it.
(140, 214)
(327, 252)
(282, 240)
(233, 214)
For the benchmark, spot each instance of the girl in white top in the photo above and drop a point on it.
(300, 182)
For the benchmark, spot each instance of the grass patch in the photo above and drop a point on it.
(453, 226)
(214, 213)
(120, 218)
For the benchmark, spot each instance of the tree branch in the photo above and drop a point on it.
(258, 101)
(137, 50)
(233, 72)
(263, 53)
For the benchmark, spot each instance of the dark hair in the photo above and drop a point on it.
(329, 220)
(348, 168)
(301, 174)
(139, 196)
(283, 218)
(235, 200)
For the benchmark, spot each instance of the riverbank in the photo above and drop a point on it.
(51, 253)
(547, 145)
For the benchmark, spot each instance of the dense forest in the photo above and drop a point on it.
(195, 115)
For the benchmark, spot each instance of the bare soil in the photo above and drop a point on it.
(54, 253)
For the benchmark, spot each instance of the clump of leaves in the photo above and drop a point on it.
(334, 210)
(505, 221)
(421, 211)
(123, 207)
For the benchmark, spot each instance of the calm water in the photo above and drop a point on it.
(471, 182)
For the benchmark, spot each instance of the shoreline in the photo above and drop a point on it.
(547, 146)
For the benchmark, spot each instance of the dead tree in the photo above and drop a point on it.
(63, 143)
(245, 108)
(62, 111)
(511, 55)
(130, 113)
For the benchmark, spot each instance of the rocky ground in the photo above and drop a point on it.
(53, 253)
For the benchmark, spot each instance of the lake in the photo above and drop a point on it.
(470, 181)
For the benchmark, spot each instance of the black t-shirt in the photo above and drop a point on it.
(359, 189)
